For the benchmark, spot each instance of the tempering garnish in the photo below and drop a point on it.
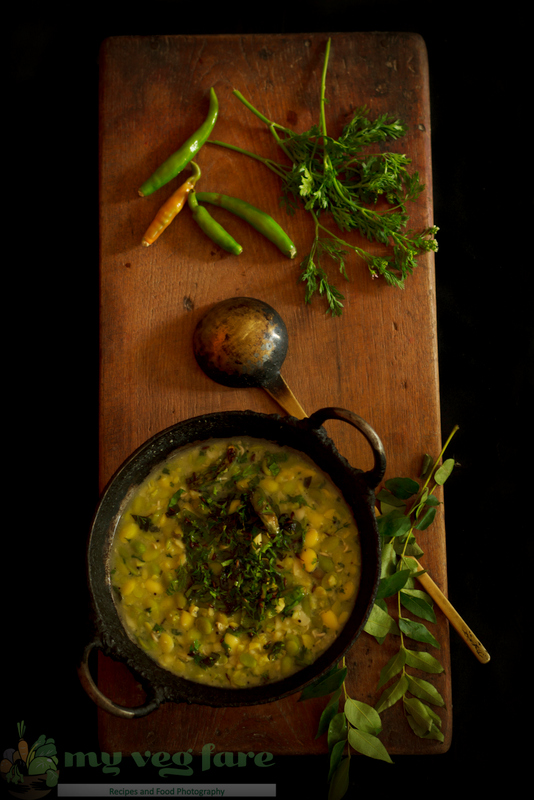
(236, 563)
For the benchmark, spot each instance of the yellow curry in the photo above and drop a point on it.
(236, 563)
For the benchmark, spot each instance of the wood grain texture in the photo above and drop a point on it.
(379, 359)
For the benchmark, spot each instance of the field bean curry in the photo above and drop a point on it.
(236, 563)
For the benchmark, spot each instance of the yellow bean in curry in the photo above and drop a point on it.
(236, 563)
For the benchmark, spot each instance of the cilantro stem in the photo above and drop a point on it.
(362, 253)
(326, 159)
(274, 166)
(279, 141)
(258, 114)
(323, 85)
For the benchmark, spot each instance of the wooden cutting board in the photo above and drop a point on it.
(379, 359)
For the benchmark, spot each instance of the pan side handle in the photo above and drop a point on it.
(100, 698)
(374, 475)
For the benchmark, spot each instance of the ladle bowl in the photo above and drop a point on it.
(243, 342)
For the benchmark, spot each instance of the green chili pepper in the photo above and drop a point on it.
(211, 227)
(259, 220)
(181, 158)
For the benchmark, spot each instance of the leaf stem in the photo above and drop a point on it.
(326, 158)
(274, 166)
(255, 111)
(323, 86)
(438, 459)
(362, 253)
(279, 141)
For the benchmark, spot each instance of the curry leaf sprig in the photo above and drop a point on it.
(407, 506)
(334, 176)
(348, 724)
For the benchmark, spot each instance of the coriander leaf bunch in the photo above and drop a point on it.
(360, 191)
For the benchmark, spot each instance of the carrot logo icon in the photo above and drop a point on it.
(30, 772)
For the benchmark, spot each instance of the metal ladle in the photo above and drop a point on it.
(242, 342)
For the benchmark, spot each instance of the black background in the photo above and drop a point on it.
(481, 147)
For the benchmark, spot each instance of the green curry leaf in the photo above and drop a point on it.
(380, 623)
(418, 603)
(443, 472)
(336, 756)
(402, 488)
(339, 782)
(393, 524)
(328, 714)
(421, 660)
(426, 520)
(423, 720)
(369, 745)
(337, 730)
(393, 667)
(326, 685)
(393, 584)
(362, 716)
(392, 694)
(417, 631)
(425, 690)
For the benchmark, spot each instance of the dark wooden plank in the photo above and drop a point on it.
(379, 359)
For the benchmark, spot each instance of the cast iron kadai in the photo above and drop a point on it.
(307, 436)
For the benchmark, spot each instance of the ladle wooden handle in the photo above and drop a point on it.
(452, 615)
(280, 391)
